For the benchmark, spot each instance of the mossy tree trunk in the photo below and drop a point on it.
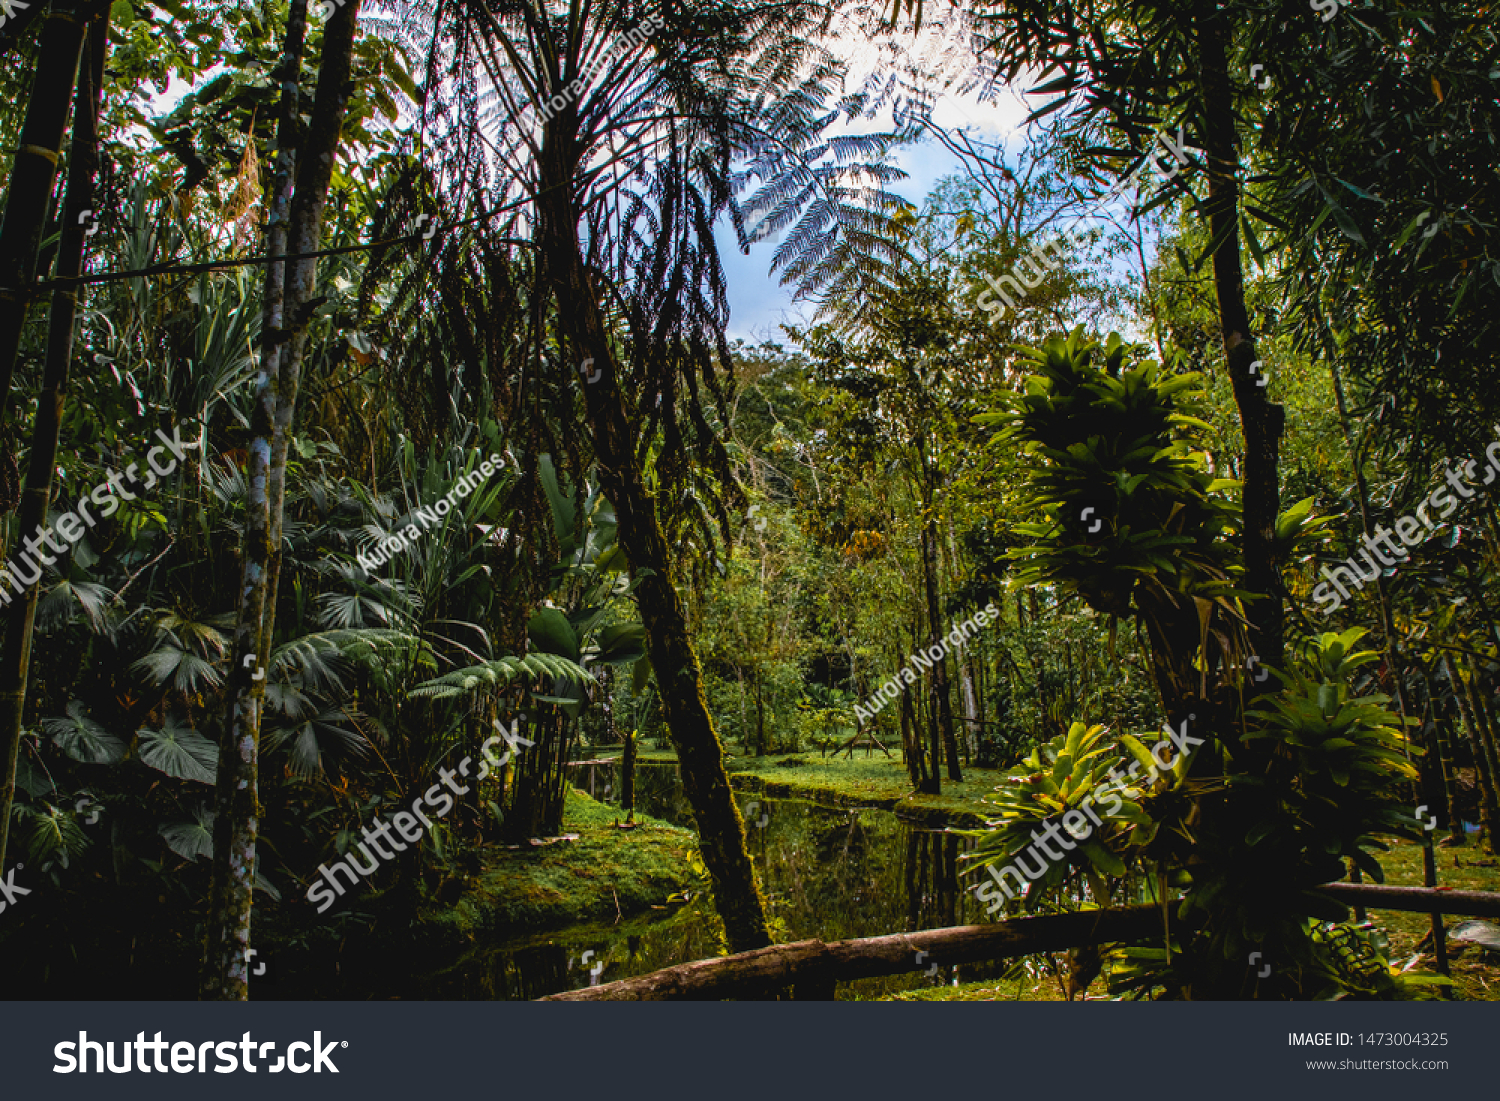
(721, 831)
(943, 729)
(296, 225)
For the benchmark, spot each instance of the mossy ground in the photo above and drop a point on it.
(605, 874)
(865, 781)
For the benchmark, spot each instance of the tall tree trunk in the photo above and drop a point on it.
(971, 708)
(760, 714)
(33, 176)
(15, 664)
(935, 736)
(944, 725)
(721, 831)
(1261, 421)
(298, 225)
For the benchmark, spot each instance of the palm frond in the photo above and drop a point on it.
(81, 738)
(179, 751)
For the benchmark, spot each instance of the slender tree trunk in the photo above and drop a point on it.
(33, 176)
(936, 741)
(1261, 421)
(760, 715)
(944, 725)
(627, 778)
(15, 664)
(1443, 739)
(911, 744)
(1489, 813)
(721, 831)
(236, 824)
(971, 708)
(1484, 727)
(236, 816)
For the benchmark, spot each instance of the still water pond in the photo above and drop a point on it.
(827, 873)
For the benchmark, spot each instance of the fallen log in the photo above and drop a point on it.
(814, 965)
(1418, 900)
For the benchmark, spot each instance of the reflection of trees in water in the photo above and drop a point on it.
(658, 789)
(830, 873)
(931, 872)
(847, 840)
(522, 972)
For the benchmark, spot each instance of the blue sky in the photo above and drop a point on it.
(758, 302)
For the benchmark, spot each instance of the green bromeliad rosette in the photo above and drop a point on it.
(1072, 815)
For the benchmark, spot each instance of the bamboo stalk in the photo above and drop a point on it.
(34, 174)
(15, 664)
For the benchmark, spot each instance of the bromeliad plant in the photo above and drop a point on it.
(1338, 761)
(1338, 766)
(1134, 522)
(1136, 525)
(1071, 792)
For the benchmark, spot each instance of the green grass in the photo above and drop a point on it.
(1024, 989)
(875, 781)
(1476, 977)
(605, 874)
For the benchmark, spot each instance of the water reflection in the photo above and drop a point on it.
(827, 873)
